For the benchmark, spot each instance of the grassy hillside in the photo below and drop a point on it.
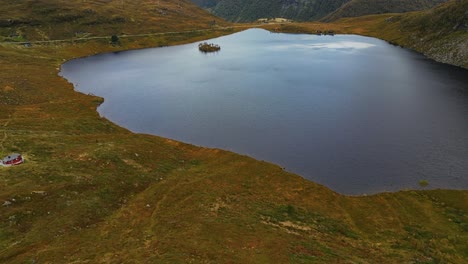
(251, 10)
(355, 8)
(440, 33)
(308, 10)
(56, 19)
(92, 192)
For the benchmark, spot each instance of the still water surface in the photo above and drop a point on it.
(350, 112)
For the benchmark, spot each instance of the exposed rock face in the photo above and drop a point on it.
(453, 52)
(440, 33)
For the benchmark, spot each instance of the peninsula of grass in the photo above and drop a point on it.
(93, 192)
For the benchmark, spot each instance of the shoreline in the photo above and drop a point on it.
(88, 181)
(212, 148)
(218, 32)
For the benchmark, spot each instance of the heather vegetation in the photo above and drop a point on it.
(58, 19)
(93, 192)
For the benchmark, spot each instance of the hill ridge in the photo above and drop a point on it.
(309, 10)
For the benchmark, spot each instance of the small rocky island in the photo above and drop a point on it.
(208, 47)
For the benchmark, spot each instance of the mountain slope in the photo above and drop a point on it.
(55, 19)
(308, 10)
(355, 8)
(251, 10)
(440, 33)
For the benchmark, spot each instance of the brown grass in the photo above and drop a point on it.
(92, 192)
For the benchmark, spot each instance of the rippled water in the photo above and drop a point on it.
(353, 113)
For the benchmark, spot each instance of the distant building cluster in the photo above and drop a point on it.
(274, 20)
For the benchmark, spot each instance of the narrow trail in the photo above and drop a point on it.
(120, 36)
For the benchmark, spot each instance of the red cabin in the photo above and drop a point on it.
(12, 159)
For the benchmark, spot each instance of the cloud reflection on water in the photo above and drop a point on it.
(347, 45)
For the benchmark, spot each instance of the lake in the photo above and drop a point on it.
(353, 113)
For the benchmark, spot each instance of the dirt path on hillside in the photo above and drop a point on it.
(120, 36)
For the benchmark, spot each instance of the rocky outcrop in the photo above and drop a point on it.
(452, 51)
(440, 33)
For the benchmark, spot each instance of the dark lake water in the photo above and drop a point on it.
(350, 112)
